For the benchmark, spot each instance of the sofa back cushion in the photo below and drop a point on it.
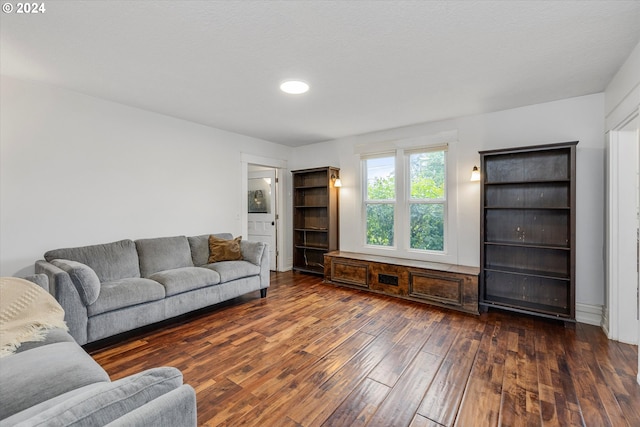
(200, 247)
(110, 261)
(163, 253)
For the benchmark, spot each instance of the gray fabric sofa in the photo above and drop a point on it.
(116, 287)
(54, 382)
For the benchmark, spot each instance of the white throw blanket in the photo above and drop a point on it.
(26, 313)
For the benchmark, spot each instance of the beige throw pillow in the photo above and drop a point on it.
(224, 250)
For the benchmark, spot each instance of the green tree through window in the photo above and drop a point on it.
(427, 175)
(425, 202)
(380, 201)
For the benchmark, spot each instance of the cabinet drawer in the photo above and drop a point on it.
(349, 272)
(446, 290)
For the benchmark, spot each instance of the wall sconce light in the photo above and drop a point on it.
(475, 174)
(336, 181)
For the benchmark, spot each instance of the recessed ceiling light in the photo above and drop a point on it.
(294, 87)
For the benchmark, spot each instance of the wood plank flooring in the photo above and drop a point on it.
(311, 354)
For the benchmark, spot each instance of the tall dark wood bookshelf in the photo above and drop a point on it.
(315, 217)
(527, 254)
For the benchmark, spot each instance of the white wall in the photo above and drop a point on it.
(572, 119)
(623, 92)
(77, 170)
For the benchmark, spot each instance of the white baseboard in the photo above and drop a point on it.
(589, 314)
(607, 331)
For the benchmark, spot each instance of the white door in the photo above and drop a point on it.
(262, 210)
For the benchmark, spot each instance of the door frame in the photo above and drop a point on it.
(616, 318)
(269, 217)
(280, 165)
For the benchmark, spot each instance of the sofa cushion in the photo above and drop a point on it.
(200, 247)
(110, 261)
(83, 278)
(224, 250)
(52, 336)
(55, 369)
(252, 251)
(185, 279)
(232, 270)
(43, 406)
(100, 406)
(125, 293)
(163, 253)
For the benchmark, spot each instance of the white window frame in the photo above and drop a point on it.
(401, 247)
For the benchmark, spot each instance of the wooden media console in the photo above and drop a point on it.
(445, 285)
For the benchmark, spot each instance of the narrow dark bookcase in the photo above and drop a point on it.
(315, 217)
(527, 230)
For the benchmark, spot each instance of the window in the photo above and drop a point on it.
(380, 200)
(426, 202)
(405, 200)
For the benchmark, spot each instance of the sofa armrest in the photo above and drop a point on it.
(265, 272)
(65, 292)
(83, 277)
(257, 253)
(108, 402)
(176, 408)
(41, 280)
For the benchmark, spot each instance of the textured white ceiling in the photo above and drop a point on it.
(372, 65)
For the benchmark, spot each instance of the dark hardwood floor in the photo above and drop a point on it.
(312, 354)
